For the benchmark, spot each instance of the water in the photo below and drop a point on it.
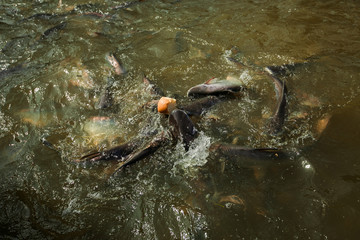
(51, 82)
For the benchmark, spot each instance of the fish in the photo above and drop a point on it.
(17, 45)
(153, 89)
(278, 118)
(115, 63)
(115, 153)
(215, 86)
(106, 98)
(237, 63)
(149, 149)
(53, 30)
(180, 43)
(182, 127)
(7, 72)
(233, 150)
(286, 69)
(198, 107)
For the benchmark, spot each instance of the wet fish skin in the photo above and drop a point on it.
(278, 119)
(237, 63)
(106, 98)
(213, 89)
(182, 127)
(54, 29)
(113, 60)
(155, 90)
(236, 150)
(48, 144)
(117, 152)
(198, 107)
(7, 72)
(154, 145)
(286, 69)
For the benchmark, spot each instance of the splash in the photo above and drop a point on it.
(188, 162)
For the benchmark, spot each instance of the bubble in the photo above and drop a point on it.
(188, 162)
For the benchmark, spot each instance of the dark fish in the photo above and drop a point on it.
(182, 127)
(106, 98)
(215, 87)
(117, 152)
(154, 145)
(48, 144)
(180, 43)
(53, 30)
(152, 87)
(198, 107)
(93, 15)
(235, 151)
(285, 69)
(7, 72)
(42, 16)
(277, 120)
(17, 45)
(49, 17)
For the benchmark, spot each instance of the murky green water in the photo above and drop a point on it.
(51, 82)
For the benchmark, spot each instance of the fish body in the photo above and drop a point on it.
(286, 69)
(152, 87)
(53, 30)
(117, 152)
(106, 97)
(154, 145)
(115, 63)
(278, 118)
(182, 127)
(215, 87)
(232, 150)
(197, 108)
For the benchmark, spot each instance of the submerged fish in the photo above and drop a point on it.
(152, 87)
(216, 86)
(53, 30)
(118, 68)
(278, 118)
(286, 69)
(149, 149)
(236, 150)
(198, 107)
(180, 43)
(131, 152)
(117, 152)
(106, 97)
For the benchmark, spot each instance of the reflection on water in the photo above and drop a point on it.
(55, 67)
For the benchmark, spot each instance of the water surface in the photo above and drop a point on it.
(54, 69)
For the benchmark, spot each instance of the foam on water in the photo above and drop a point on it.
(188, 161)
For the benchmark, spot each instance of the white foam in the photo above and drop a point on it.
(189, 161)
